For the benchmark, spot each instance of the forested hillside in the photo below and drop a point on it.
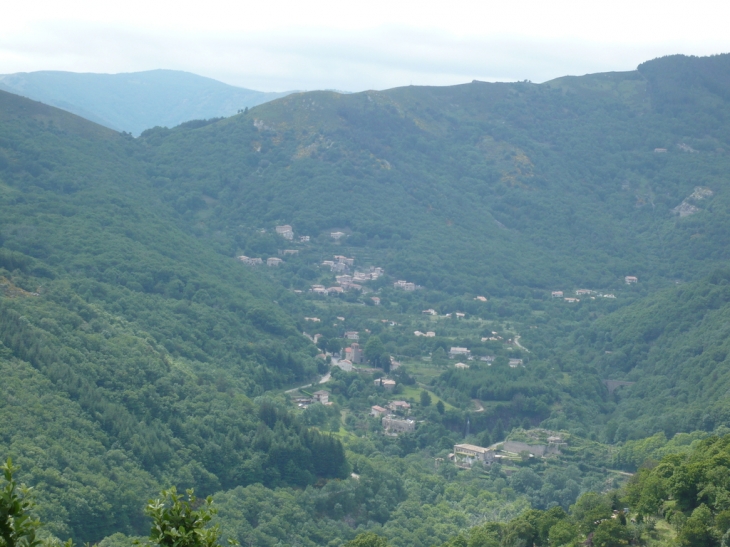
(130, 352)
(520, 249)
(480, 188)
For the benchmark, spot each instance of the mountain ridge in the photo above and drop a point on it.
(125, 315)
(135, 101)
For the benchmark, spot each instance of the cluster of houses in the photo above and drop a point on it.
(466, 455)
(354, 354)
(372, 273)
(287, 232)
(249, 261)
(341, 265)
(581, 292)
(458, 314)
(393, 406)
(629, 280)
(493, 338)
(429, 334)
(392, 424)
(321, 289)
(347, 283)
(320, 396)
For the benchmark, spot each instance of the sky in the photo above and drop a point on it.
(278, 45)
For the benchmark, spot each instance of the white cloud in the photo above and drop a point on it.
(282, 44)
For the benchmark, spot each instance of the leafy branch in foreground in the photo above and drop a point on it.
(17, 527)
(176, 522)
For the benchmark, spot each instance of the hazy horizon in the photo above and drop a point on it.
(282, 45)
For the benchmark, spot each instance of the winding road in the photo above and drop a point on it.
(517, 343)
(323, 380)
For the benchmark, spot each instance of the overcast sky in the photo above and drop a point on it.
(277, 45)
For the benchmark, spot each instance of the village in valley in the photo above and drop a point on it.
(382, 342)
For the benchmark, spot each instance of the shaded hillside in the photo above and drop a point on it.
(129, 350)
(674, 345)
(14, 108)
(472, 188)
(135, 101)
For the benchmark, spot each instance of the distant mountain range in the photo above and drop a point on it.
(135, 101)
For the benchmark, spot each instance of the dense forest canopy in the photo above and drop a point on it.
(137, 353)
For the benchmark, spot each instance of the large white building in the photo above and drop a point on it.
(465, 455)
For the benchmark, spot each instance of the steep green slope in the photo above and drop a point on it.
(674, 345)
(135, 101)
(679, 500)
(125, 313)
(129, 349)
(474, 188)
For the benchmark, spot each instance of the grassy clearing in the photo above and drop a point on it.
(663, 534)
(422, 371)
(414, 393)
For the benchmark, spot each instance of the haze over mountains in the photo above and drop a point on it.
(135, 101)
(563, 234)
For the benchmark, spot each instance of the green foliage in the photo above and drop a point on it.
(135, 351)
(611, 533)
(180, 522)
(17, 526)
(367, 539)
(697, 484)
(674, 345)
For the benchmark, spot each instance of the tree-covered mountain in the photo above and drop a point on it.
(478, 188)
(131, 353)
(674, 346)
(137, 352)
(135, 101)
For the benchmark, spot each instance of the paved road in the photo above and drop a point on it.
(517, 343)
(323, 380)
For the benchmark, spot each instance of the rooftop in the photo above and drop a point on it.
(472, 447)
